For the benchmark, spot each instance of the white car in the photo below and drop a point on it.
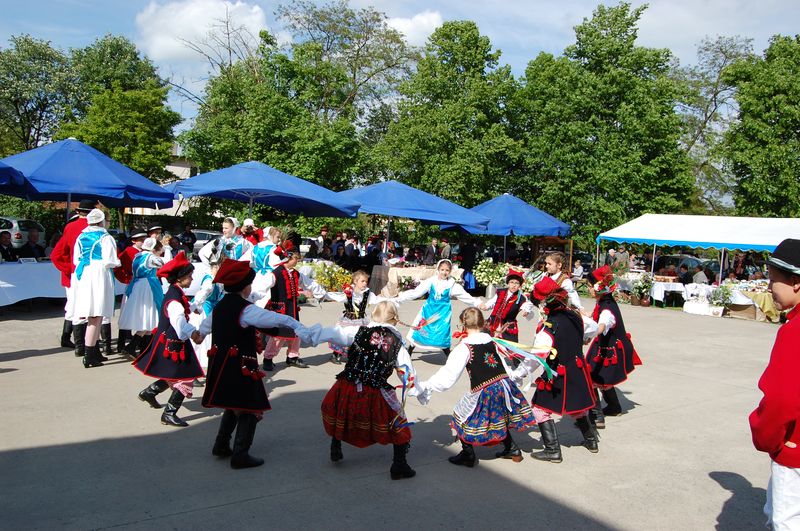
(19, 231)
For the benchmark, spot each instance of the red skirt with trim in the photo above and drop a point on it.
(361, 418)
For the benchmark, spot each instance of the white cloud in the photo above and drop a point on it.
(163, 27)
(418, 28)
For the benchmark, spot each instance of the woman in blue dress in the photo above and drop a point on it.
(431, 326)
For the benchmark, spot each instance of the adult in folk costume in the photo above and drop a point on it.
(61, 257)
(235, 382)
(494, 405)
(559, 337)
(144, 296)
(124, 273)
(506, 305)
(431, 326)
(94, 258)
(611, 355)
(170, 355)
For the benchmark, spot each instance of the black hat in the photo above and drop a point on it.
(155, 228)
(786, 256)
(138, 233)
(87, 205)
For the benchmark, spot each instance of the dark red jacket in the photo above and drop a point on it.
(255, 236)
(61, 255)
(776, 419)
(124, 272)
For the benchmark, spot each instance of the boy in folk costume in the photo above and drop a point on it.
(170, 356)
(494, 405)
(560, 336)
(553, 266)
(611, 355)
(235, 382)
(506, 304)
(356, 298)
(144, 296)
(95, 255)
(775, 424)
(437, 310)
(284, 298)
(362, 407)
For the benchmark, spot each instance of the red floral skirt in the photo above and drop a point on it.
(362, 418)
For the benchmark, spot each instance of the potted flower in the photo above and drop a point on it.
(720, 298)
(640, 291)
(489, 274)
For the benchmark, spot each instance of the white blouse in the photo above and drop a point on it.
(439, 287)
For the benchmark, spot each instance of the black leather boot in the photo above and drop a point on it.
(410, 350)
(148, 394)
(144, 342)
(510, 450)
(122, 340)
(79, 336)
(222, 445)
(92, 357)
(268, 364)
(336, 450)
(596, 415)
(245, 431)
(169, 416)
(552, 449)
(296, 362)
(613, 407)
(105, 341)
(66, 334)
(131, 349)
(589, 435)
(400, 468)
(446, 352)
(466, 457)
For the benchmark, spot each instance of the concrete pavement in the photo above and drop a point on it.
(78, 450)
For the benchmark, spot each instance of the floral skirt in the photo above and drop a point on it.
(363, 417)
(491, 419)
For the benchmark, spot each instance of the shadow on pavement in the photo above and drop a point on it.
(744, 509)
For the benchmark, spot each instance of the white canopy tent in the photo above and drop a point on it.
(708, 232)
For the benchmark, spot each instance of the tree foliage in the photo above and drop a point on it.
(762, 146)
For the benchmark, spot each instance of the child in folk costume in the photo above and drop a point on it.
(553, 266)
(493, 406)
(362, 407)
(205, 300)
(233, 244)
(144, 296)
(775, 424)
(611, 355)
(285, 299)
(356, 298)
(265, 260)
(437, 310)
(170, 356)
(94, 257)
(560, 335)
(124, 273)
(506, 304)
(235, 382)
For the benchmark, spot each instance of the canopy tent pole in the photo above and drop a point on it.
(653, 261)
(505, 249)
(721, 264)
(250, 208)
(388, 235)
(597, 256)
(69, 204)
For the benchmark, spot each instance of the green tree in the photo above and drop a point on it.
(762, 147)
(600, 129)
(451, 135)
(36, 92)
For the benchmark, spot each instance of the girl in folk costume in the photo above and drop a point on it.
(205, 300)
(170, 356)
(611, 355)
(235, 382)
(362, 408)
(284, 299)
(506, 305)
(265, 259)
(560, 335)
(431, 326)
(233, 244)
(94, 257)
(144, 296)
(356, 298)
(493, 406)
(553, 265)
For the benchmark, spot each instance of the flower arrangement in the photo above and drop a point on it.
(487, 273)
(642, 286)
(722, 295)
(331, 276)
(406, 283)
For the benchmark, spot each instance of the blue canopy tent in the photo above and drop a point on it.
(256, 182)
(71, 170)
(509, 215)
(10, 176)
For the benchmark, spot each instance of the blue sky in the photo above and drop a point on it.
(520, 28)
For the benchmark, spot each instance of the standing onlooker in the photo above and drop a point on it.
(187, 237)
(32, 249)
(444, 253)
(622, 257)
(7, 251)
(431, 255)
(611, 257)
(322, 240)
(775, 424)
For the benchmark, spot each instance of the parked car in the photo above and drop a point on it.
(306, 243)
(203, 237)
(19, 231)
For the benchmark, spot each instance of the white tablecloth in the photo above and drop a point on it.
(27, 281)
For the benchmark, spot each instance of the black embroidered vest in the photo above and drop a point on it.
(372, 357)
(351, 311)
(484, 366)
